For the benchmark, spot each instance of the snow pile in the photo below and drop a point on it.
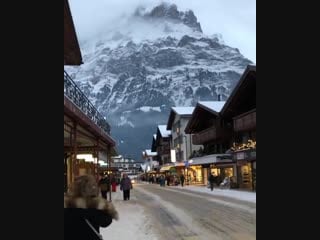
(133, 223)
(237, 194)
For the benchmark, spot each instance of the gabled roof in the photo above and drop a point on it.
(150, 153)
(71, 49)
(163, 131)
(243, 96)
(209, 109)
(213, 106)
(181, 111)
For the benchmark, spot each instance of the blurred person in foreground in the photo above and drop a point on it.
(85, 212)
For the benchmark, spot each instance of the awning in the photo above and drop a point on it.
(210, 159)
(165, 168)
(179, 164)
(225, 165)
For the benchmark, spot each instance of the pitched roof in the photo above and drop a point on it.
(181, 111)
(203, 110)
(163, 131)
(243, 95)
(71, 49)
(215, 106)
(149, 153)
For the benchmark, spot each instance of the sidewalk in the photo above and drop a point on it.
(231, 193)
(133, 223)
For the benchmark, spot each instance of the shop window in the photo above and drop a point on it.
(215, 171)
(228, 172)
(245, 173)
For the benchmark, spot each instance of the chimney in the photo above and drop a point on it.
(219, 97)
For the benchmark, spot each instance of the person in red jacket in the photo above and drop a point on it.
(114, 184)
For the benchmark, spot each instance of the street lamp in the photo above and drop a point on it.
(185, 147)
(185, 157)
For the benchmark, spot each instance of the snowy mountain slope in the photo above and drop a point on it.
(150, 61)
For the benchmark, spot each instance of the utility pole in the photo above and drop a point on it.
(109, 170)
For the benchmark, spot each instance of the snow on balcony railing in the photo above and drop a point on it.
(73, 92)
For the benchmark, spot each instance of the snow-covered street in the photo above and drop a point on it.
(191, 213)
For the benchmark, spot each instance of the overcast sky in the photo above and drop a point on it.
(234, 19)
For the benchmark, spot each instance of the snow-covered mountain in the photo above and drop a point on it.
(149, 61)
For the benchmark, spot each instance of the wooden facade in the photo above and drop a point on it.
(211, 134)
(240, 111)
(209, 129)
(85, 130)
(245, 122)
(231, 130)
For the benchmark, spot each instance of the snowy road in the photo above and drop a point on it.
(172, 213)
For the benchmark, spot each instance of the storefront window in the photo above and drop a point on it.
(195, 174)
(222, 173)
(245, 174)
(215, 171)
(228, 172)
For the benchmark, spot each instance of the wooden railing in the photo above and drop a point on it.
(246, 121)
(210, 134)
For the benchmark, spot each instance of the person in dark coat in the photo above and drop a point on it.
(126, 186)
(82, 205)
(211, 181)
(162, 181)
(104, 185)
(182, 179)
(168, 180)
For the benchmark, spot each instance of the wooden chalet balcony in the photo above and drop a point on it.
(246, 121)
(73, 92)
(210, 134)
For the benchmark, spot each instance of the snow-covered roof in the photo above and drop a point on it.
(183, 110)
(155, 136)
(213, 105)
(150, 153)
(163, 131)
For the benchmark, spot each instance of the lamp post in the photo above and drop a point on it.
(109, 170)
(185, 147)
(185, 156)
